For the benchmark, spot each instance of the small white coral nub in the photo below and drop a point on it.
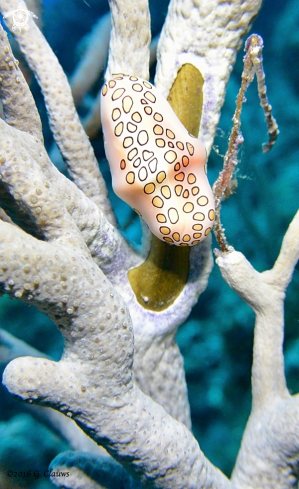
(157, 167)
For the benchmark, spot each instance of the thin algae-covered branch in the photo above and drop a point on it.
(225, 184)
(254, 46)
(64, 121)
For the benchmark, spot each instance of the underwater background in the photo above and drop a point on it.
(216, 341)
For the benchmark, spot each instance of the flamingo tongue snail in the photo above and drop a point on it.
(157, 166)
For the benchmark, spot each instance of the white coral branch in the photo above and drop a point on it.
(64, 121)
(270, 446)
(207, 34)
(93, 61)
(93, 382)
(130, 38)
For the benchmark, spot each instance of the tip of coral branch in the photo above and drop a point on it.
(254, 41)
(223, 253)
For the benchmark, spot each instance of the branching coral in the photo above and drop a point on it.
(61, 252)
